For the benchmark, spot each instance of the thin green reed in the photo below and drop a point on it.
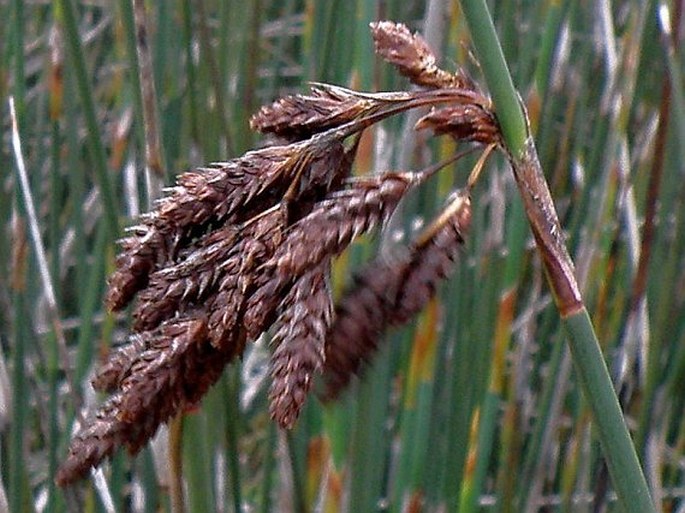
(622, 461)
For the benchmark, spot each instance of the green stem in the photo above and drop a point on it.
(497, 76)
(624, 467)
(619, 452)
(267, 483)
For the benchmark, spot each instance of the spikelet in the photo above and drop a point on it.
(466, 122)
(300, 116)
(299, 344)
(360, 318)
(389, 293)
(413, 58)
(220, 193)
(339, 219)
(173, 372)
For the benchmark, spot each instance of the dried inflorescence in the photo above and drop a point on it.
(413, 58)
(236, 247)
(298, 117)
(389, 292)
(299, 340)
(173, 371)
(464, 122)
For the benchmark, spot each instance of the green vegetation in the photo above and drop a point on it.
(476, 406)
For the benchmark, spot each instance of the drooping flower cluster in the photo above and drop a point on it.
(238, 247)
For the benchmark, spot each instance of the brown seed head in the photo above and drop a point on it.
(299, 341)
(300, 116)
(467, 122)
(413, 58)
(389, 293)
(172, 373)
(227, 192)
(237, 246)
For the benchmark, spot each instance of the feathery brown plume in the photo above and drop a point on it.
(298, 116)
(299, 341)
(389, 293)
(217, 193)
(237, 246)
(413, 58)
(112, 372)
(466, 122)
(325, 232)
(174, 372)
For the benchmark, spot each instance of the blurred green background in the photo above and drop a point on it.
(475, 406)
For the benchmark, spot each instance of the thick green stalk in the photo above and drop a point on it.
(624, 468)
(497, 76)
(621, 458)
